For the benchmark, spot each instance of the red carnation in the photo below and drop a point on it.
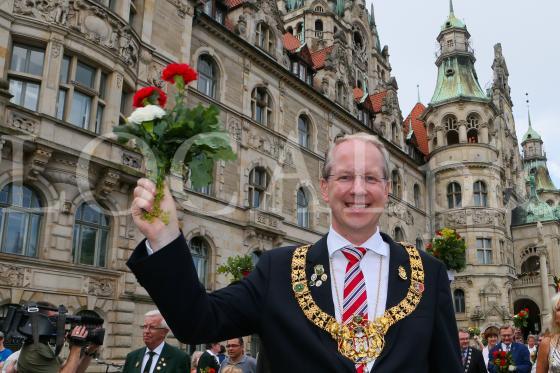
(503, 362)
(149, 95)
(526, 310)
(495, 354)
(503, 353)
(178, 69)
(211, 370)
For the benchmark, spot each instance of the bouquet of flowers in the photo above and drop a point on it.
(208, 370)
(520, 318)
(177, 137)
(449, 247)
(503, 361)
(473, 331)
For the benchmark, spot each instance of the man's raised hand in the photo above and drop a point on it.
(156, 232)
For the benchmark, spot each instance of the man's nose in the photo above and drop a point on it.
(359, 184)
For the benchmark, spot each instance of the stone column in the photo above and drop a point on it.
(483, 134)
(462, 132)
(544, 281)
(439, 136)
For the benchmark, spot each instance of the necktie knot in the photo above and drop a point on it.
(354, 254)
(151, 353)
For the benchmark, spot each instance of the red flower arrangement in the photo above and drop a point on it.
(449, 247)
(177, 71)
(520, 319)
(503, 361)
(149, 96)
(208, 370)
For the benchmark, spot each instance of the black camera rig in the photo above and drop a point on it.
(37, 323)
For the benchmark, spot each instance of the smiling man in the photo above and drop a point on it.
(157, 356)
(347, 303)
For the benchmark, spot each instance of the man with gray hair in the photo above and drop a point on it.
(158, 356)
(346, 303)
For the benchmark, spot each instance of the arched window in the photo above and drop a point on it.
(451, 129)
(91, 236)
(200, 251)
(417, 197)
(207, 76)
(396, 184)
(258, 183)
(459, 301)
(261, 106)
(303, 131)
(299, 32)
(319, 29)
(358, 41)
(302, 209)
(480, 194)
(20, 220)
(419, 244)
(265, 37)
(472, 128)
(399, 234)
(453, 195)
(531, 265)
(341, 93)
(319, 9)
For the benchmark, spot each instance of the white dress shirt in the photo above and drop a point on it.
(374, 266)
(155, 359)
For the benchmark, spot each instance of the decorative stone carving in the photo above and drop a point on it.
(482, 217)
(131, 160)
(66, 207)
(182, 7)
(100, 287)
(93, 21)
(56, 48)
(400, 211)
(37, 162)
(154, 75)
(23, 122)
(108, 183)
(241, 27)
(235, 129)
(456, 218)
(11, 275)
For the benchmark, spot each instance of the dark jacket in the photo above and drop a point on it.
(172, 360)
(264, 303)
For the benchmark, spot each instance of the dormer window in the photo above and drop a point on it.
(302, 71)
(265, 37)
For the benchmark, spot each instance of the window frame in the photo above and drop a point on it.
(73, 88)
(264, 37)
(77, 230)
(259, 96)
(210, 80)
(25, 77)
(302, 208)
(454, 196)
(480, 194)
(304, 134)
(30, 213)
(484, 253)
(258, 187)
(459, 301)
(201, 260)
(396, 184)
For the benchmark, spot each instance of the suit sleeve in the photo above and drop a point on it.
(524, 362)
(445, 354)
(170, 278)
(481, 368)
(127, 363)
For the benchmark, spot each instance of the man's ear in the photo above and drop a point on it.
(324, 185)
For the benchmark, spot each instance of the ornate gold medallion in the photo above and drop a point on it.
(360, 340)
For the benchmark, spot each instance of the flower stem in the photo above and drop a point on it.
(157, 212)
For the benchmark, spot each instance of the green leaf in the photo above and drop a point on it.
(201, 171)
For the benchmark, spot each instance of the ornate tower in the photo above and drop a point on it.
(467, 178)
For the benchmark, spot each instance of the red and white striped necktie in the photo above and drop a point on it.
(355, 295)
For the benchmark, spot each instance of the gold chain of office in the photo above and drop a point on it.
(360, 340)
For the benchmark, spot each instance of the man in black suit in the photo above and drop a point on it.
(473, 362)
(348, 303)
(158, 356)
(209, 359)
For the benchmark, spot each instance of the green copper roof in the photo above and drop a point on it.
(453, 21)
(340, 7)
(534, 209)
(457, 79)
(531, 134)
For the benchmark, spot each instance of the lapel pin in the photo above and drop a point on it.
(418, 287)
(137, 364)
(402, 273)
(319, 276)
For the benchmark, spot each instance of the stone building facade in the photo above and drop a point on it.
(288, 77)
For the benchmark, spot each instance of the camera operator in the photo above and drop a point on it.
(39, 357)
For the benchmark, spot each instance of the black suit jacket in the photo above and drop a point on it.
(264, 303)
(475, 362)
(172, 360)
(207, 361)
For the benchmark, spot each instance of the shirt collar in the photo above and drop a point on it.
(157, 350)
(375, 243)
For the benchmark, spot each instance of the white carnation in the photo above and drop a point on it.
(512, 368)
(146, 114)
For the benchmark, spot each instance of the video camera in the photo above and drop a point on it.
(33, 323)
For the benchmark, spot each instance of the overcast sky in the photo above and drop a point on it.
(530, 37)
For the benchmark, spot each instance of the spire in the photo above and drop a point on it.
(371, 16)
(418, 88)
(451, 7)
(528, 109)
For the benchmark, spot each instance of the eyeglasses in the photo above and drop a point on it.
(347, 179)
(151, 328)
(232, 346)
